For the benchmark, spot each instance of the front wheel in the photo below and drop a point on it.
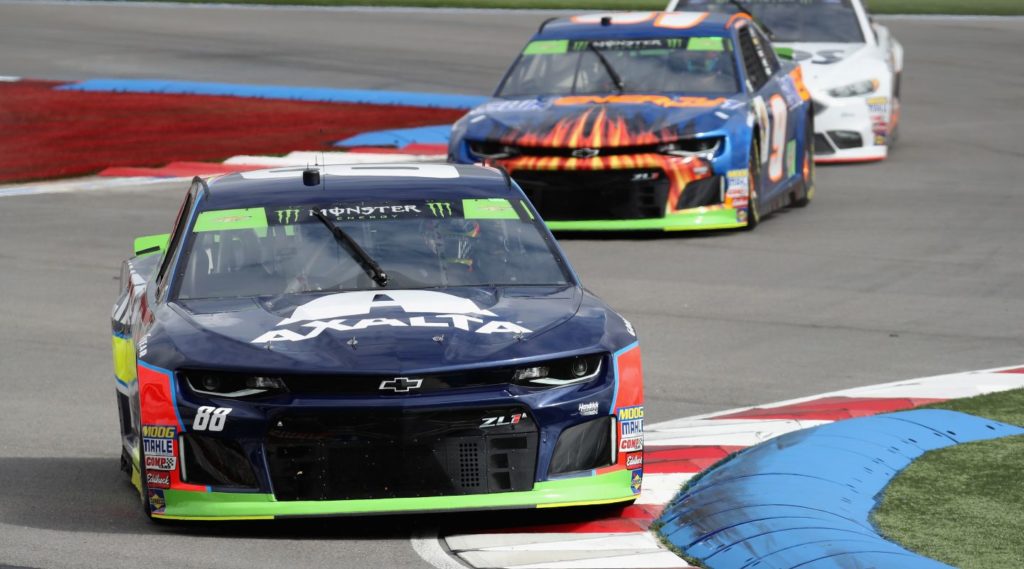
(806, 193)
(753, 185)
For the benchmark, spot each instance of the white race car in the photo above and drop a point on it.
(851, 64)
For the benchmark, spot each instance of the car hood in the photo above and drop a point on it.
(600, 121)
(374, 331)
(832, 64)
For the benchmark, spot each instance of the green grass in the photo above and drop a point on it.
(996, 7)
(963, 505)
(991, 7)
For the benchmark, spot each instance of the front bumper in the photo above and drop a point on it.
(696, 219)
(608, 488)
(501, 447)
(640, 192)
(852, 129)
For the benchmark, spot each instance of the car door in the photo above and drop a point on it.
(773, 108)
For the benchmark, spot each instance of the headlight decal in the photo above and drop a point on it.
(560, 373)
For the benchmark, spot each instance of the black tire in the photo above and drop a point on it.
(894, 133)
(807, 187)
(753, 183)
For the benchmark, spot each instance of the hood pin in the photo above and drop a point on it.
(353, 342)
(439, 339)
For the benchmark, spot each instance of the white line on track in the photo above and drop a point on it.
(427, 545)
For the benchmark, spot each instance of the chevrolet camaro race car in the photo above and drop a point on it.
(648, 121)
(851, 63)
(369, 339)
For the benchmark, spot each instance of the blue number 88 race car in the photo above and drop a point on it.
(369, 339)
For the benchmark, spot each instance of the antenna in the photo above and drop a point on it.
(504, 173)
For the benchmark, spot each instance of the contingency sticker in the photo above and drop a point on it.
(738, 187)
(158, 479)
(636, 480)
(157, 502)
(158, 447)
(546, 47)
(634, 460)
(491, 208)
(631, 428)
(224, 219)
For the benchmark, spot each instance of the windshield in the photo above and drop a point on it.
(796, 21)
(698, 65)
(419, 244)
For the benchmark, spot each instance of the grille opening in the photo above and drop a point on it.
(583, 447)
(509, 444)
(503, 480)
(822, 146)
(600, 194)
(846, 139)
(701, 193)
(399, 453)
(215, 462)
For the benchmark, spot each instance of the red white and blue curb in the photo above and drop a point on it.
(805, 498)
(677, 450)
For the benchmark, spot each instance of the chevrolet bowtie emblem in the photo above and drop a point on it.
(400, 384)
(585, 152)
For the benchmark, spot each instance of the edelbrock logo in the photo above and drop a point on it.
(335, 312)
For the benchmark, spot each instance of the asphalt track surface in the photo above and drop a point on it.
(907, 268)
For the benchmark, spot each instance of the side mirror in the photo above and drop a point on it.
(784, 52)
(151, 244)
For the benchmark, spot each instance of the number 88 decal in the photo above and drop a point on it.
(210, 418)
(780, 115)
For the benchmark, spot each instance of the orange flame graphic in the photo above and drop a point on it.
(594, 129)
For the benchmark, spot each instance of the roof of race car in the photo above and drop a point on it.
(284, 186)
(622, 25)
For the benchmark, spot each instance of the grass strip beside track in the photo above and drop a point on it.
(962, 505)
(979, 7)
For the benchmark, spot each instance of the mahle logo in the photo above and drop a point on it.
(288, 215)
(440, 209)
